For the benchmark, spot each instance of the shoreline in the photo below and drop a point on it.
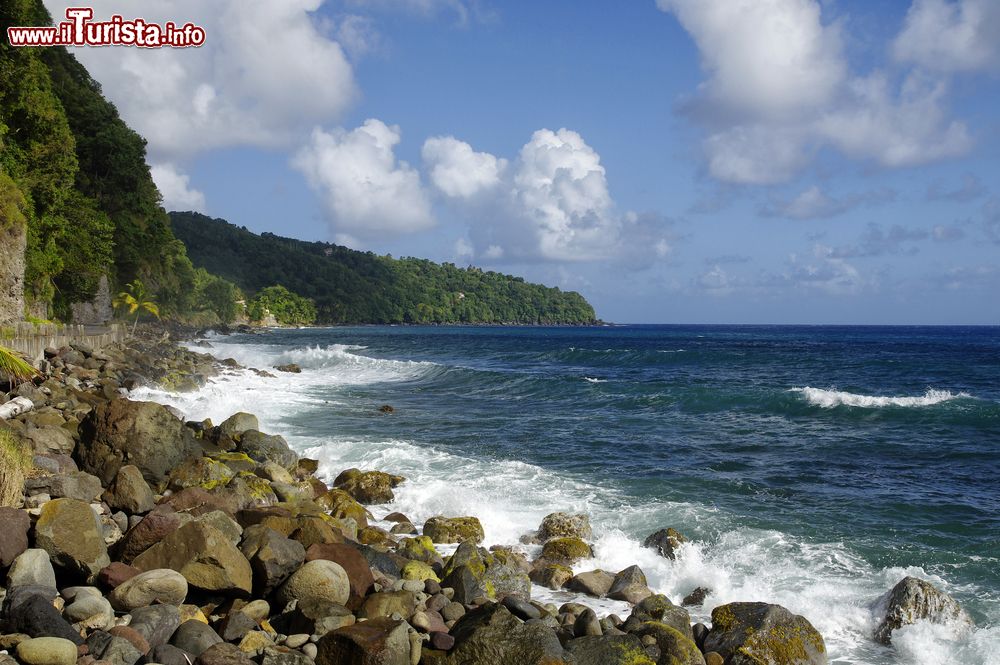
(274, 499)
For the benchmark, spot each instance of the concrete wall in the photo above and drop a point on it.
(32, 340)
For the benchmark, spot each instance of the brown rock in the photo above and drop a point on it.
(70, 532)
(354, 564)
(204, 556)
(14, 525)
(113, 575)
(373, 642)
(150, 530)
(129, 492)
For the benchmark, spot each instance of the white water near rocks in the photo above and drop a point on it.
(825, 582)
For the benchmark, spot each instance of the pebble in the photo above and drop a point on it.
(297, 640)
(310, 650)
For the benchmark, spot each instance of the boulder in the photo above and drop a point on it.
(150, 530)
(249, 490)
(374, 642)
(359, 573)
(14, 525)
(761, 633)
(368, 487)
(595, 583)
(262, 447)
(154, 586)
(317, 580)
(566, 550)
(88, 612)
(203, 472)
(113, 575)
(156, 623)
(144, 434)
(696, 597)
(77, 485)
(551, 575)
(71, 534)
(491, 635)
(665, 541)
(129, 491)
(224, 654)
(387, 603)
(232, 427)
(47, 651)
(629, 585)
(454, 529)
(658, 608)
(342, 505)
(194, 637)
(32, 567)
(564, 525)
(29, 610)
(50, 440)
(272, 557)
(204, 556)
(609, 650)
(913, 600)
(677, 648)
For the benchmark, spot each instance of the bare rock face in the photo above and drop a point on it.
(913, 600)
(96, 310)
(12, 243)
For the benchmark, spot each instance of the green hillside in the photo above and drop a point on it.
(349, 286)
(75, 174)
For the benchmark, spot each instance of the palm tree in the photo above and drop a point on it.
(13, 367)
(136, 299)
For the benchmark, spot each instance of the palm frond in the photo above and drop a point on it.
(14, 366)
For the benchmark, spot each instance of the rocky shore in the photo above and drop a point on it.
(138, 537)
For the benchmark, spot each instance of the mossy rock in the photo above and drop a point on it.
(418, 548)
(368, 487)
(342, 505)
(564, 525)
(372, 535)
(467, 554)
(764, 634)
(235, 461)
(177, 381)
(454, 529)
(203, 472)
(551, 575)
(251, 490)
(609, 650)
(676, 648)
(418, 570)
(566, 550)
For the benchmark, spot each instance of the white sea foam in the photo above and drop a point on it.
(825, 582)
(591, 379)
(829, 399)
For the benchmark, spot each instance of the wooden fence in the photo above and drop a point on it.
(32, 339)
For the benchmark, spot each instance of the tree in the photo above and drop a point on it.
(136, 299)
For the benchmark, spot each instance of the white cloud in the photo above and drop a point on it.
(358, 35)
(779, 90)
(175, 186)
(459, 171)
(550, 204)
(366, 191)
(950, 36)
(266, 70)
(764, 57)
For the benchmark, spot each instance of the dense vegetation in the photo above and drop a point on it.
(286, 307)
(349, 286)
(76, 174)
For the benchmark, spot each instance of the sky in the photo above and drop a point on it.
(675, 161)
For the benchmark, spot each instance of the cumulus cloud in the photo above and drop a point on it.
(366, 191)
(459, 171)
(949, 36)
(552, 203)
(814, 203)
(779, 90)
(175, 187)
(265, 71)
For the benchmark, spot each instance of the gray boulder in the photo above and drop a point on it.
(913, 600)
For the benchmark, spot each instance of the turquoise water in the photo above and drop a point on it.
(811, 466)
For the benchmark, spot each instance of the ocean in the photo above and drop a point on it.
(812, 467)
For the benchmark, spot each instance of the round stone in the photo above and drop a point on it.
(47, 651)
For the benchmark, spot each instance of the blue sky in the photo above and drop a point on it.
(758, 161)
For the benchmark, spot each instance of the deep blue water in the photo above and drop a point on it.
(849, 454)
